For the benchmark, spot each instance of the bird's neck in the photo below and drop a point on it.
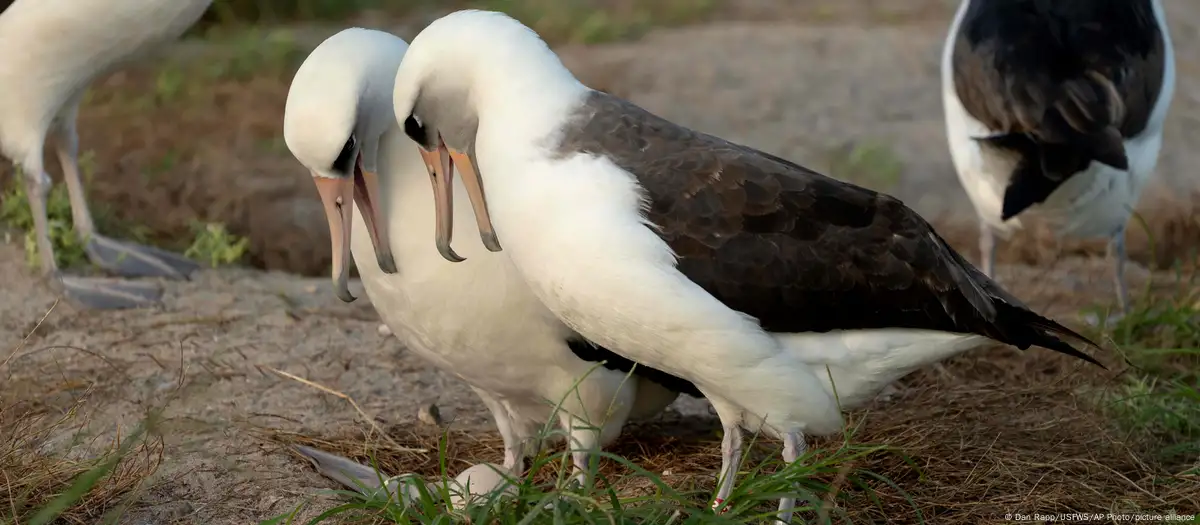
(523, 97)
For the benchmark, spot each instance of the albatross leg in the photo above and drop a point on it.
(793, 447)
(87, 292)
(37, 186)
(1116, 252)
(583, 440)
(731, 458)
(731, 447)
(514, 446)
(122, 258)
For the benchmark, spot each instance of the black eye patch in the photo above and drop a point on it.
(346, 159)
(417, 132)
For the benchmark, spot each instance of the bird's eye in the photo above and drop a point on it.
(416, 131)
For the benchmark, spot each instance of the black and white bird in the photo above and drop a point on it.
(753, 278)
(50, 52)
(1054, 112)
(476, 320)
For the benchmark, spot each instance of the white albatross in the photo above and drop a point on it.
(1055, 111)
(746, 274)
(519, 358)
(50, 52)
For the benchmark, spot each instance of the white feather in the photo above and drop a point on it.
(574, 227)
(476, 319)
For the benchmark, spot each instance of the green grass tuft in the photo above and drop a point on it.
(558, 500)
(549, 493)
(215, 246)
(1160, 396)
(212, 244)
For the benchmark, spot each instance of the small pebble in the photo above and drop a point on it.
(430, 415)
(384, 330)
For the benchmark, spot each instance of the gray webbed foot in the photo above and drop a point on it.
(134, 260)
(111, 294)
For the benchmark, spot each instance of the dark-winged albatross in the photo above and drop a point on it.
(52, 50)
(739, 271)
(476, 320)
(1055, 110)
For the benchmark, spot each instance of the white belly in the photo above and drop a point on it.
(575, 236)
(476, 319)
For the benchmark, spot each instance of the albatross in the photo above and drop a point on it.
(477, 320)
(1054, 111)
(52, 50)
(764, 284)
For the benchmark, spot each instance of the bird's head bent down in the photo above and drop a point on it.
(332, 124)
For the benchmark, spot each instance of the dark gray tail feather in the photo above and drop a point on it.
(1026, 328)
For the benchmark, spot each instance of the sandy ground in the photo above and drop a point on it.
(796, 85)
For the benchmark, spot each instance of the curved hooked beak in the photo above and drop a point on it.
(336, 196)
(441, 163)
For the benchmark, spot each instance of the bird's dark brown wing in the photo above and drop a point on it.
(800, 251)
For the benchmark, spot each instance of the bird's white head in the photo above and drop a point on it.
(464, 68)
(338, 107)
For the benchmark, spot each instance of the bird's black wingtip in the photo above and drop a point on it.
(1049, 334)
(1053, 333)
(1060, 346)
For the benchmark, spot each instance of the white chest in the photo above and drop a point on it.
(475, 319)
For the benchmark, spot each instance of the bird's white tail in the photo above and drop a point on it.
(857, 365)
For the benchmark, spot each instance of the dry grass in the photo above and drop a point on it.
(1002, 431)
(55, 469)
(1002, 435)
(91, 481)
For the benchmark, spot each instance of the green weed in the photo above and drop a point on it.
(215, 246)
(1160, 396)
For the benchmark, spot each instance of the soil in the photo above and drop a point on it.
(797, 82)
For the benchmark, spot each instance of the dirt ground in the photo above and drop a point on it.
(799, 82)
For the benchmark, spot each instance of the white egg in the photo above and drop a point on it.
(480, 481)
